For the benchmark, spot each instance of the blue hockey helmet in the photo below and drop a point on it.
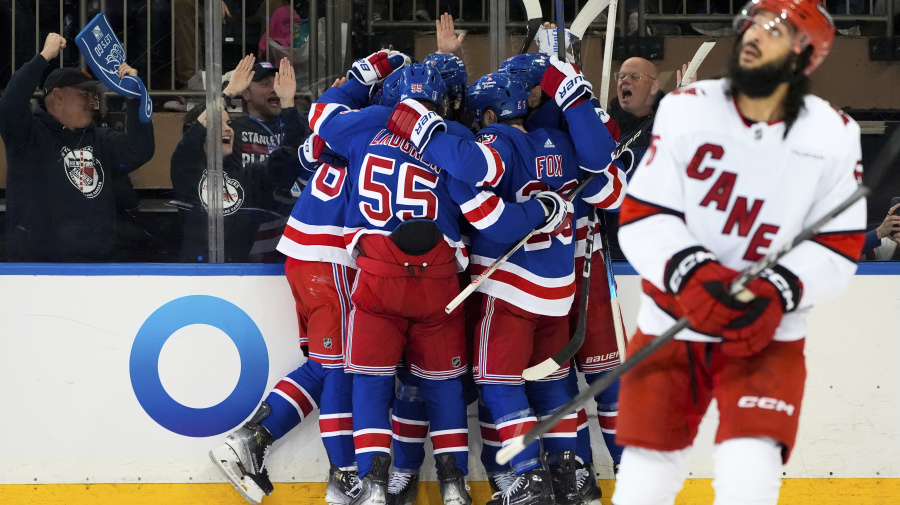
(422, 82)
(528, 68)
(453, 72)
(390, 89)
(505, 94)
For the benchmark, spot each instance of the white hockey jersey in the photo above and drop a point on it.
(712, 178)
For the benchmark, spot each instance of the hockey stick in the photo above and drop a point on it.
(698, 58)
(588, 14)
(607, 52)
(623, 144)
(568, 351)
(880, 166)
(548, 366)
(535, 18)
(560, 31)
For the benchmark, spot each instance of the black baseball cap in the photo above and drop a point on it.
(69, 76)
(262, 70)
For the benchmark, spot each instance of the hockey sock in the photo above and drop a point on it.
(513, 417)
(409, 423)
(748, 471)
(371, 421)
(336, 418)
(447, 413)
(608, 414)
(649, 477)
(545, 396)
(490, 441)
(583, 436)
(294, 398)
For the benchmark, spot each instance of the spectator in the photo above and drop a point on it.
(881, 243)
(637, 96)
(280, 29)
(270, 122)
(247, 196)
(60, 204)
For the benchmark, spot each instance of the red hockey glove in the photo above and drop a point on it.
(777, 292)
(700, 285)
(564, 82)
(412, 120)
(557, 211)
(374, 68)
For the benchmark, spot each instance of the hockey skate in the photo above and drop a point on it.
(500, 482)
(531, 488)
(403, 488)
(373, 487)
(587, 484)
(451, 481)
(565, 482)
(340, 483)
(242, 458)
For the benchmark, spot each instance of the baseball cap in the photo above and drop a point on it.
(69, 76)
(262, 70)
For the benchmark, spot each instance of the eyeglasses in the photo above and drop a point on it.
(635, 76)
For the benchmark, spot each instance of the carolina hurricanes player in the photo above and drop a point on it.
(402, 229)
(523, 316)
(737, 167)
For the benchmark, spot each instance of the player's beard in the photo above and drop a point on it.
(759, 82)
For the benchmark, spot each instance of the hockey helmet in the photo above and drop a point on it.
(390, 89)
(453, 73)
(422, 82)
(505, 94)
(814, 26)
(528, 68)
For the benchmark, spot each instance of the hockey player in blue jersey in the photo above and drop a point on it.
(599, 353)
(409, 418)
(523, 316)
(402, 229)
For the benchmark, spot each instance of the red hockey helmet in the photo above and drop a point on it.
(812, 22)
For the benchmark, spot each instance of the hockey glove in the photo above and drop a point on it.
(374, 68)
(565, 83)
(315, 151)
(700, 285)
(546, 42)
(557, 211)
(777, 292)
(412, 120)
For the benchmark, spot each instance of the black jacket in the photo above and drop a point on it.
(247, 203)
(59, 200)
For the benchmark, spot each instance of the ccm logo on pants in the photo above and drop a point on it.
(748, 402)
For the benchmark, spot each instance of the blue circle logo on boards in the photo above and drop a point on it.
(144, 365)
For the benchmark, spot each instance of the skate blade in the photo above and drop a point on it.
(227, 460)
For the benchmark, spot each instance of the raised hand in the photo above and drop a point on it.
(285, 83)
(53, 44)
(447, 40)
(126, 69)
(241, 76)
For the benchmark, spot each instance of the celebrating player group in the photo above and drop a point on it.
(417, 184)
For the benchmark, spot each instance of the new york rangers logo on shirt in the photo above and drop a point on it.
(84, 171)
(232, 194)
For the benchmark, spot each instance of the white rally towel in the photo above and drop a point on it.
(104, 53)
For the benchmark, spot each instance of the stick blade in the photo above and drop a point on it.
(505, 454)
(541, 370)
